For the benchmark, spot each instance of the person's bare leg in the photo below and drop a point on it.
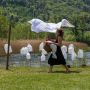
(50, 69)
(67, 69)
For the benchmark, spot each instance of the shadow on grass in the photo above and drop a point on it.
(66, 72)
(60, 72)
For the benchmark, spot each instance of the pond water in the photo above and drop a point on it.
(20, 60)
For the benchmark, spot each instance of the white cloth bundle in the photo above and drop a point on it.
(72, 52)
(80, 53)
(28, 56)
(38, 25)
(64, 48)
(24, 50)
(70, 48)
(64, 51)
(6, 48)
(73, 56)
(30, 49)
(43, 58)
(41, 46)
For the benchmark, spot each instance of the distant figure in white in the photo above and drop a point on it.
(6, 48)
(64, 51)
(72, 54)
(30, 48)
(80, 53)
(26, 51)
(80, 57)
(41, 48)
(72, 51)
(43, 52)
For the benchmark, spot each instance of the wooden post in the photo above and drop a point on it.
(9, 36)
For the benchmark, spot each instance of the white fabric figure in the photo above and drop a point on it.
(73, 56)
(6, 48)
(70, 48)
(72, 52)
(24, 50)
(28, 56)
(43, 58)
(64, 51)
(80, 53)
(41, 46)
(30, 49)
(54, 49)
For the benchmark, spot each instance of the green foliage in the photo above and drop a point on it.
(21, 30)
(76, 11)
(68, 36)
(81, 23)
(3, 27)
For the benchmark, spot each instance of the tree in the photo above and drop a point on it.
(3, 26)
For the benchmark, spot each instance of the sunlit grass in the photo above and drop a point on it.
(29, 78)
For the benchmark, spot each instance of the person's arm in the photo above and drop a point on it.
(59, 41)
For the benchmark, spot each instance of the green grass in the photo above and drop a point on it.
(28, 78)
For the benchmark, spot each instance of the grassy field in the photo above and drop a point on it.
(29, 78)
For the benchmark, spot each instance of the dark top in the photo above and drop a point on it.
(60, 58)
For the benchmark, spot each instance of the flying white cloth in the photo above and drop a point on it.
(38, 25)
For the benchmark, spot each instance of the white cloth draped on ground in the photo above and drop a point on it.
(38, 25)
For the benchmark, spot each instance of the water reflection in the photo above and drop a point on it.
(20, 60)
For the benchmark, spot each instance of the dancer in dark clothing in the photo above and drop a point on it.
(60, 58)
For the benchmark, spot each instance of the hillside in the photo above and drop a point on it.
(52, 10)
